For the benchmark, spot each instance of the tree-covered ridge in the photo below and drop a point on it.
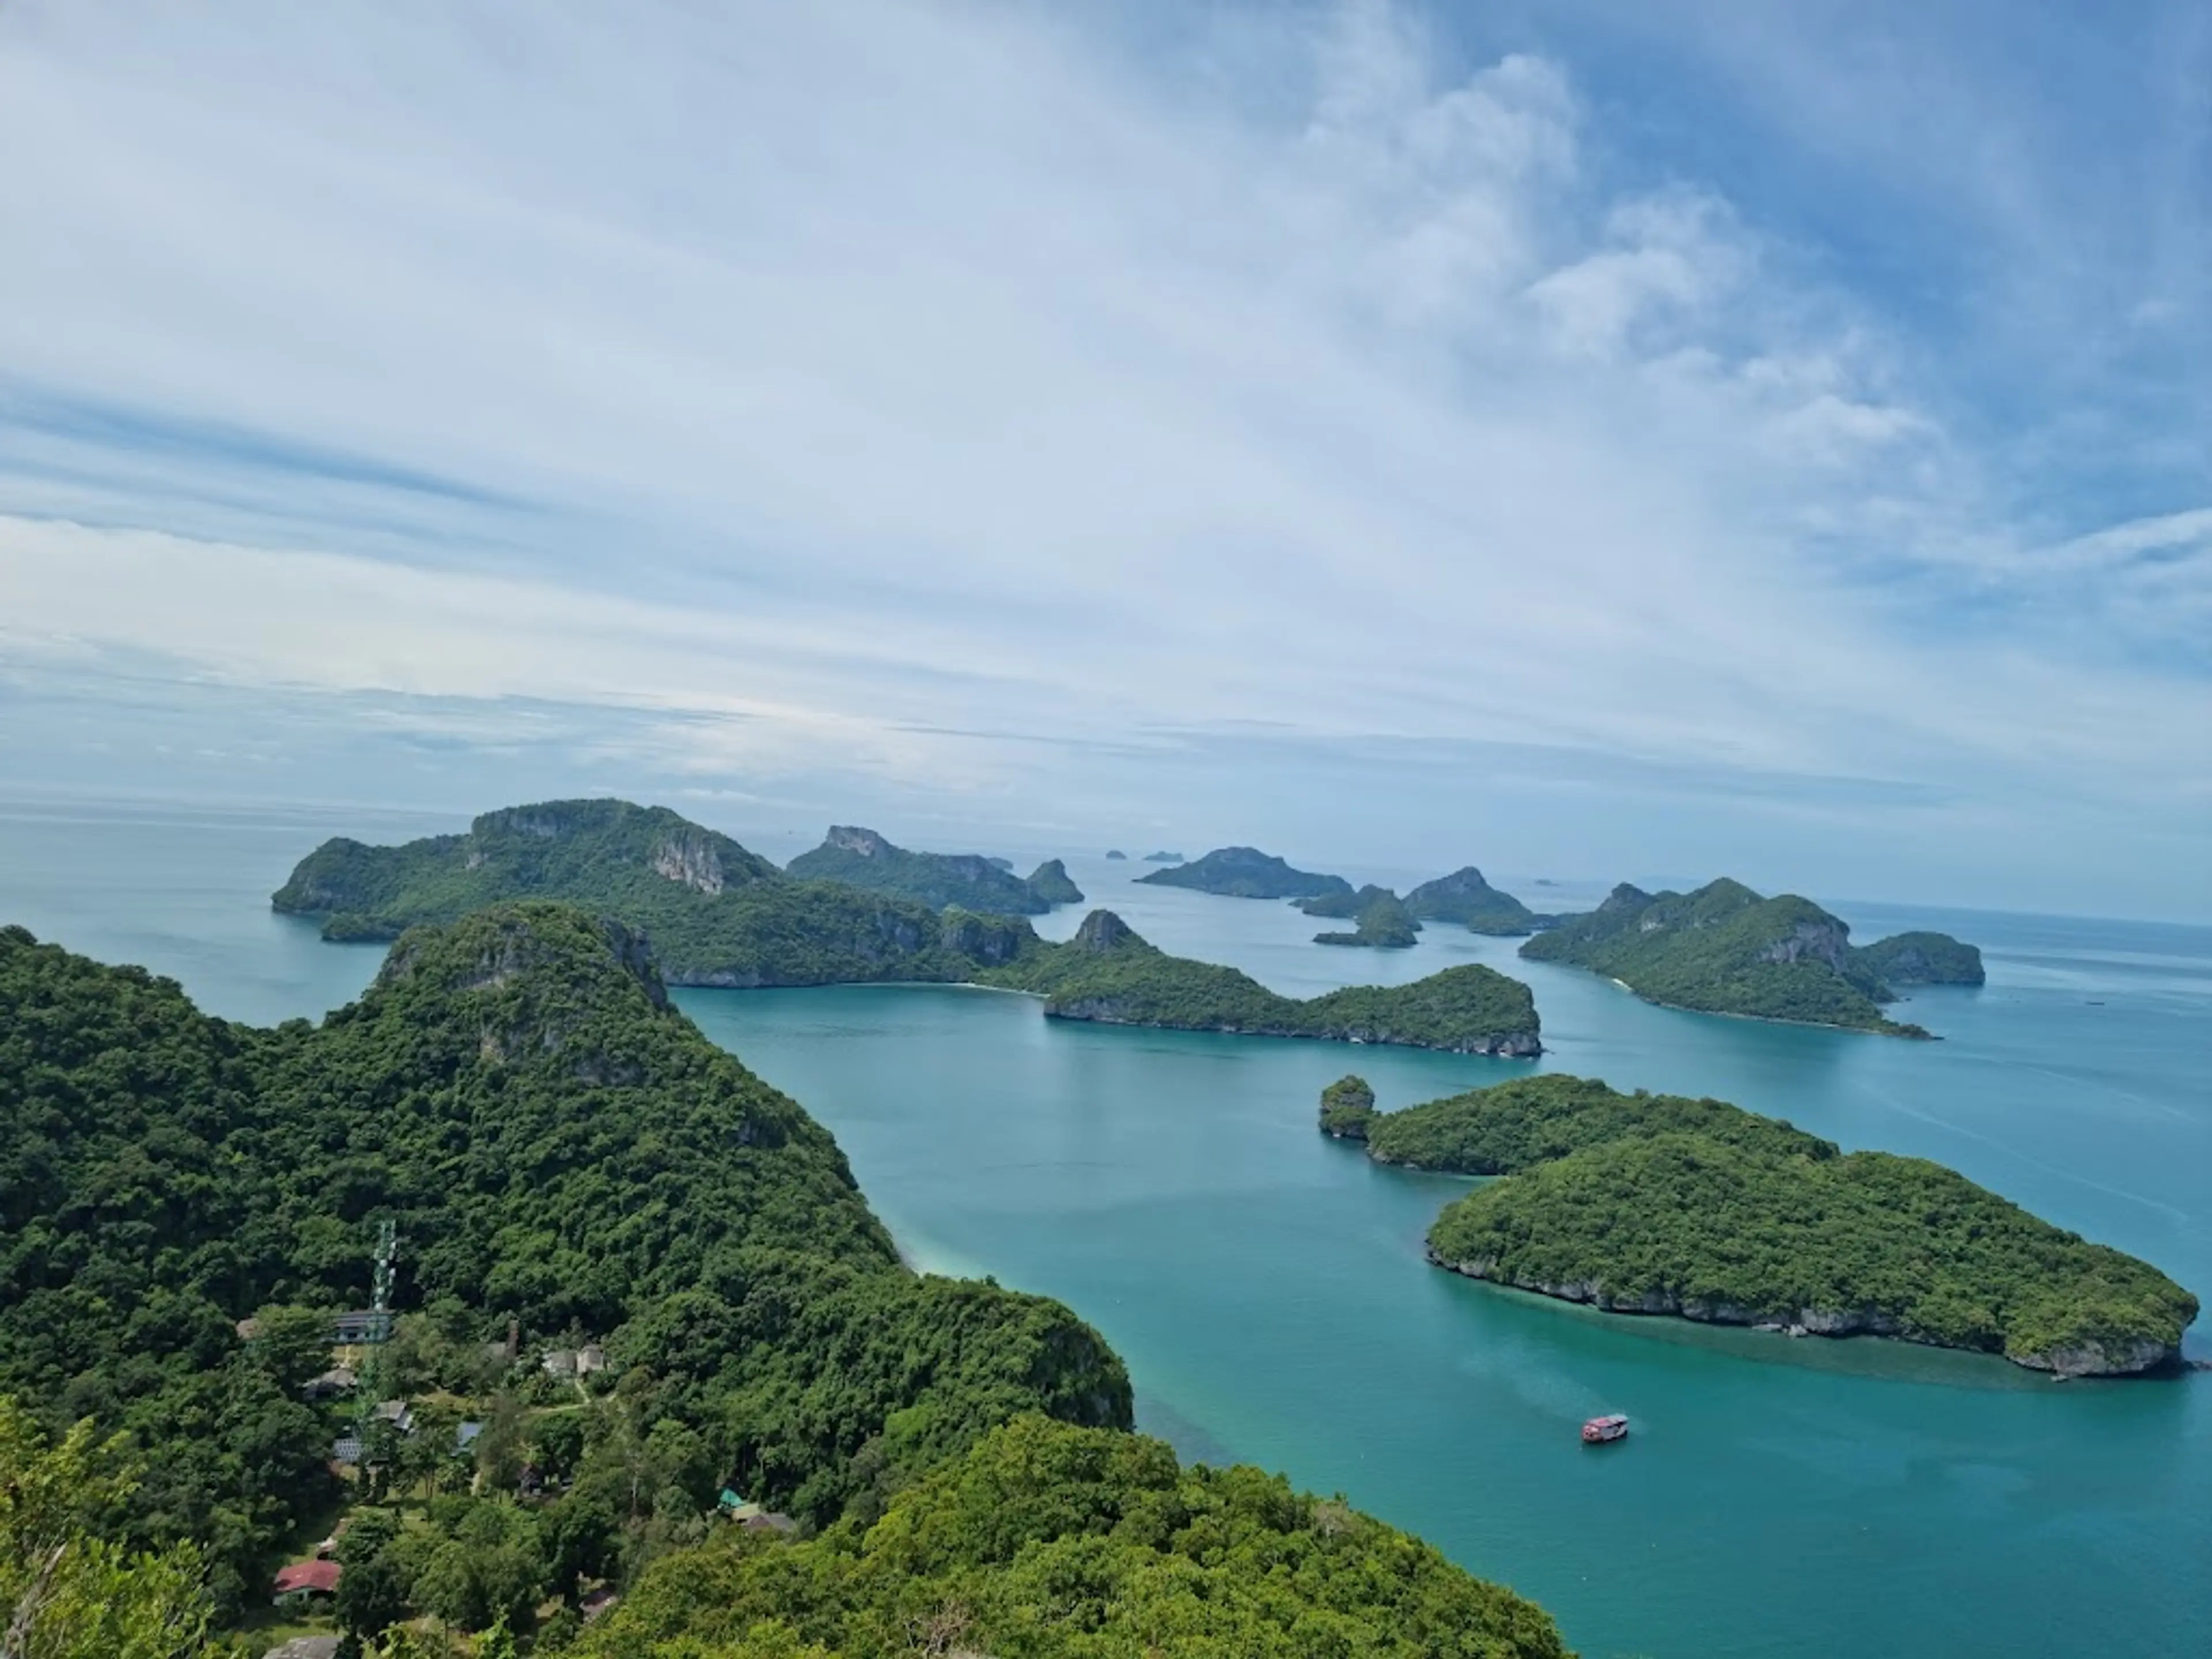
(1052, 1542)
(1108, 973)
(717, 915)
(1515, 1126)
(1742, 1234)
(967, 881)
(1380, 918)
(1465, 898)
(1246, 873)
(1723, 948)
(558, 1145)
(608, 852)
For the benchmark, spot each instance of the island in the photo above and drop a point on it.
(1050, 881)
(1347, 1106)
(1661, 1204)
(1164, 858)
(720, 917)
(1725, 950)
(1465, 898)
(1380, 918)
(718, 914)
(1921, 958)
(1108, 973)
(609, 1261)
(861, 857)
(1115, 855)
(1247, 872)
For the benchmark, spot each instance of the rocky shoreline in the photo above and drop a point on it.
(2137, 1358)
(1105, 1011)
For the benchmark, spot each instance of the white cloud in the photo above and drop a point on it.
(840, 381)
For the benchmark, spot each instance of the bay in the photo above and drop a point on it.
(1267, 1286)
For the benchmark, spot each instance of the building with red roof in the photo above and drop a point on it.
(303, 1579)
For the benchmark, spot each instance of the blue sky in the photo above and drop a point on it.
(1641, 441)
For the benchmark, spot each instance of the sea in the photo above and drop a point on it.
(1833, 1499)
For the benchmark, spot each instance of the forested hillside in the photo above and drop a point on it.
(1052, 1542)
(557, 1146)
(574, 1174)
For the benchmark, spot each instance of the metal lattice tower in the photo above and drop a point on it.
(368, 1392)
(387, 1258)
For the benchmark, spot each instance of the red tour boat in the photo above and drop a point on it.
(1599, 1430)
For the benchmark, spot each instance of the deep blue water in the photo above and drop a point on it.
(1265, 1286)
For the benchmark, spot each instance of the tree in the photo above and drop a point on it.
(510, 1579)
(580, 1542)
(66, 1589)
(499, 1446)
(369, 1532)
(446, 1589)
(430, 1452)
(371, 1596)
(558, 1438)
(382, 1449)
(416, 1459)
(292, 1344)
(679, 1457)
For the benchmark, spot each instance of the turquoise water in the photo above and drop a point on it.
(1267, 1286)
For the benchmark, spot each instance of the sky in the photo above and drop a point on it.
(1617, 442)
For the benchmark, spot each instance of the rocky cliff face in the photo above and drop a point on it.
(989, 941)
(1812, 941)
(1101, 933)
(2130, 1359)
(689, 860)
(542, 822)
(850, 838)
